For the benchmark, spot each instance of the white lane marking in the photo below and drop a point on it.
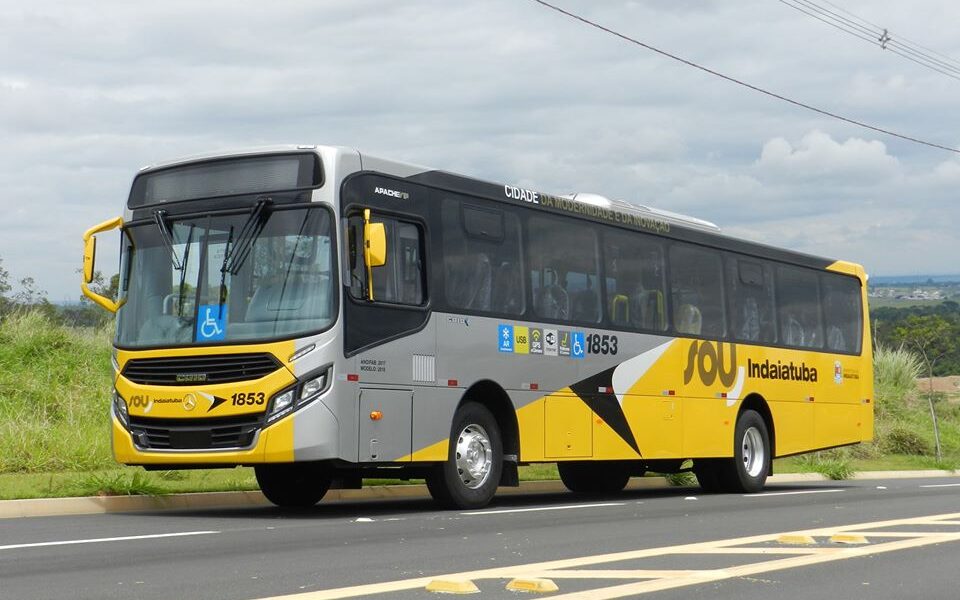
(110, 539)
(523, 510)
(941, 485)
(792, 493)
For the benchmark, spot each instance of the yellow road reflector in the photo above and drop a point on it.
(532, 584)
(848, 538)
(796, 540)
(452, 586)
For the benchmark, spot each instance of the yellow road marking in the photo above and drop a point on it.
(668, 579)
(760, 550)
(612, 574)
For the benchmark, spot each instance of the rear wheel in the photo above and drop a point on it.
(747, 471)
(295, 485)
(595, 477)
(471, 473)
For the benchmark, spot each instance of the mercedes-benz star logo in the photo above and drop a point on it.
(189, 402)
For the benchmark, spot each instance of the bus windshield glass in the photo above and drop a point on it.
(251, 275)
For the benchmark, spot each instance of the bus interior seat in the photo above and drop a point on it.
(469, 281)
(750, 320)
(586, 304)
(507, 289)
(289, 298)
(647, 310)
(793, 332)
(836, 339)
(689, 319)
(552, 301)
(620, 310)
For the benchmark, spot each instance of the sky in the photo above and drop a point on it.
(503, 90)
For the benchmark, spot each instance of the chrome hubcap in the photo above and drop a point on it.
(474, 456)
(753, 452)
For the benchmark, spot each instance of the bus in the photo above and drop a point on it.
(325, 316)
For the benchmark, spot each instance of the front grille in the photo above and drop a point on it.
(195, 434)
(199, 370)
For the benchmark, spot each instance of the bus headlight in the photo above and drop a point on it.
(120, 408)
(281, 405)
(306, 391)
(313, 387)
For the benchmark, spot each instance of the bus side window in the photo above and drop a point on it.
(696, 285)
(400, 279)
(634, 269)
(481, 258)
(842, 312)
(750, 300)
(563, 269)
(798, 299)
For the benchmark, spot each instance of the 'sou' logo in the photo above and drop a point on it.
(708, 358)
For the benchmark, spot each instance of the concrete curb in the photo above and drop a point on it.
(49, 507)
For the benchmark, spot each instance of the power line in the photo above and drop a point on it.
(878, 36)
(689, 63)
(861, 19)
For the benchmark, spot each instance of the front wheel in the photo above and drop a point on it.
(470, 475)
(295, 485)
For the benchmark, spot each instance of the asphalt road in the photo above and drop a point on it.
(672, 543)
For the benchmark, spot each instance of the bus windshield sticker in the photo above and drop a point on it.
(505, 337)
(212, 323)
(578, 348)
(521, 340)
(536, 341)
(550, 347)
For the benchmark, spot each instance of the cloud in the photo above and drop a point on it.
(505, 91)
(818, 156)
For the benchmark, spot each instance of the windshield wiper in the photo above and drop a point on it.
(183, 271)
(160, 218)
(223, 272)
(234, 257)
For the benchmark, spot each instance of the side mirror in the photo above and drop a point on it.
(375, 244)
(374, 248)
(89, 258)
(89, 262)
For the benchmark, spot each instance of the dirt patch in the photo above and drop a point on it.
(948, 385)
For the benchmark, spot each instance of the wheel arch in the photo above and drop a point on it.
(491, 395)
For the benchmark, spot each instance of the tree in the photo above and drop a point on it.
(4, 288)
(929, 334)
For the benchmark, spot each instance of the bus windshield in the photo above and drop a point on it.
(252, 275)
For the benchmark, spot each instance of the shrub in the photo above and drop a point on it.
(54, 395)
(895, 372)
(832, 464)
(900, 439)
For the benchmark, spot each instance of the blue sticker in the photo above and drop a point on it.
(211, 322)
(505, 338)
(578, 348)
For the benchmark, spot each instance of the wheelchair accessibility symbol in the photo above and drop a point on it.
(211, 323)
(578, 348)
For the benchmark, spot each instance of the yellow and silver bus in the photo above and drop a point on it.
(327, 316)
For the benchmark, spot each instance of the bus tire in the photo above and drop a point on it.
(708, 473)
(747, 471)
(470, 475)
(594, 477)
(293, 485)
